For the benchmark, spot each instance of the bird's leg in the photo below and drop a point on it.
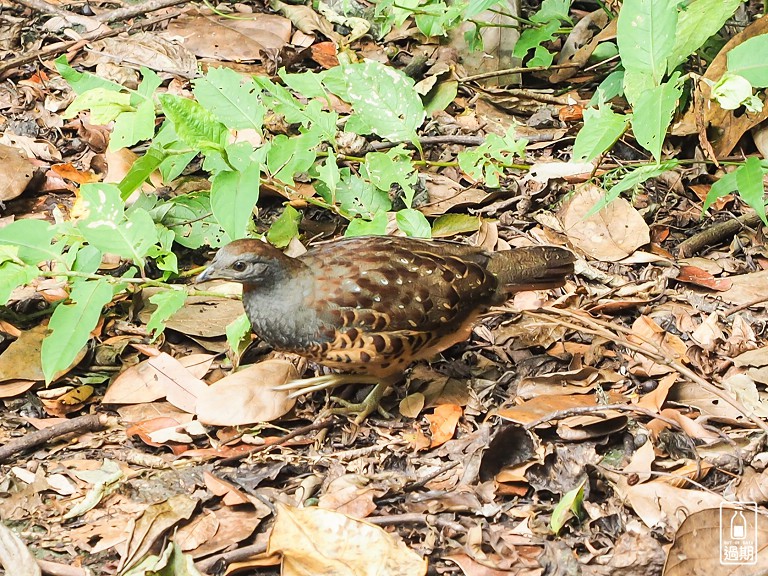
(368, 406)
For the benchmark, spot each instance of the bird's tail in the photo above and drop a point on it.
(532, 268)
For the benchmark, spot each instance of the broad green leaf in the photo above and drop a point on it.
(232, 98)
(569, 505)
(413, 223)
(233, 197)
(106, 226)
(83, 81)
(87, 259)
(602, 128)
(357, 197)
(34, 239)
(629, 181)
(361, 227)
(288, 157)
(652, 116)
(611, 86)
(636, 83)
(695, 24)
(438, 18)
(553, 10)
(167, 303)
(748, 60)
(541, 58)
(329, 176)
(13, 274)
(383, 98)
(475, 7)
(194, 125)
(134, 126)
(71, 325)
(190, 218)
(452, 224)
(532, 38)
(749, 181)
(140, 171)
(105, 105)
(310, 116)
(646, 36)
(308, 84)
(285, 228)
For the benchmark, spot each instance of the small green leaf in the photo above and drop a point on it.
(570, 505)
(629, 181)
(392, 167)
(194, 125)
(239, 334)
(71, 325)
(441, 96)
(602, 128)
(133, 127)
(652, 115)
(83, 81)
(413, 223)
(749, 181)
(168, 302)
(285, 228)
(232, 98)
(13, 274)
(375, 227)
(451, 224)
(105, 105)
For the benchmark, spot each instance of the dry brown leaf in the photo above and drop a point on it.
(16, 172)
(443, 422)
(351, 494)
(248, 396)
(610, 235)
(348, 545)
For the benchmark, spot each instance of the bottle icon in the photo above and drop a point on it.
(738, 526)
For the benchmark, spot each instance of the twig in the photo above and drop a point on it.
(56, 569)
(87, 423)
(226, 558)
(715, 234)
(518, 70)
(137, 10)
(597, 409)
(292, 434)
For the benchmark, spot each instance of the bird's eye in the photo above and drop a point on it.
(239, 266)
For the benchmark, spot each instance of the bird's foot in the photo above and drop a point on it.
(365, 408)
(309, 385)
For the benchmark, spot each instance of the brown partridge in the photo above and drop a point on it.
(372, 305)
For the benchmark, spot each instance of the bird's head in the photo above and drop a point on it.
(247, 261)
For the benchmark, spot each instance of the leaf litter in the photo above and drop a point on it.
(581, 429)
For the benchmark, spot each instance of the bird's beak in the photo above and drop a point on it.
(207, 274)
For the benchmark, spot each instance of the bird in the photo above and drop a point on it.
(369, 306)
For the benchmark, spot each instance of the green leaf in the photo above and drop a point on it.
(132, 127)
(167, 303)
(392, 167)
(553, 10)
(140, 171)
(107, 227)
(646, 36)
(105, 105)
(358, 197)
(361, 227)
(285, 228)
(233, 196)
(695, 24)
(288, 157)
(602, 128)
(636, 84)
(570, 505)
(629, 181)
(239, 334)
(34, 239)
(482, 162)
(83, 81)
(724, 186)
(413, 223)
(13, 274)
(475, 7)
(232, 98)
(189, 217)
(451, 224)
(733, 91)
(749, 181)
(71, 325)
(748, 60)
(652, 115)
(532, 38)
(441, 96)
(383, 98)
(611, 86)
(194, 125)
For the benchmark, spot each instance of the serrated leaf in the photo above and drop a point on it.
(359, 197)
(71, 325)
(168, 302)
(194, 125)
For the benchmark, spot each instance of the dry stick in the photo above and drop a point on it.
(226, 558)
(56, 569)
(292, 434)
(137, 10)
(46, 8)
(602, 328)
(87, 423)
(60, 47)
(567, 413)
(716, 234)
